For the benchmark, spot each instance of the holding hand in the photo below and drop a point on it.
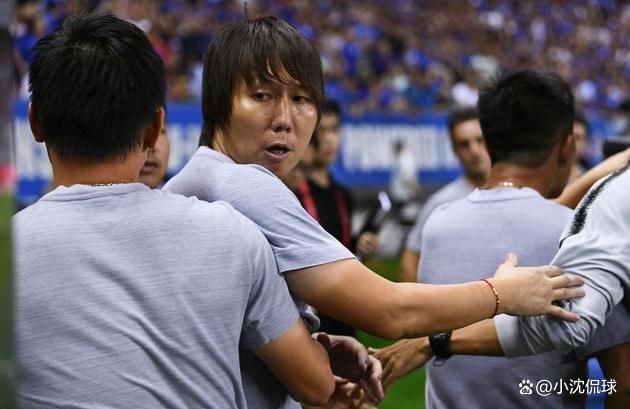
(531, 290)
(401, 358)
(350, 360)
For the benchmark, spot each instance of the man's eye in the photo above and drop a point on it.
(302, 99)
(261, 96)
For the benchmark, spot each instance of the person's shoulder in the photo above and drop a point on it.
(455, 190)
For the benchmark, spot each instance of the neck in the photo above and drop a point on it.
(72, 172)
(519, 176)
(476, 180)
(320, 176)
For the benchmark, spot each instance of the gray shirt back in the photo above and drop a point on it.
(466, 240)
(455, 190)
(128, 297)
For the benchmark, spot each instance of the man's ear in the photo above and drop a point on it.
(36, 127)
(567, 149)
(152, 131)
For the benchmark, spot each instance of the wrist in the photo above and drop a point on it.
(424, 347)
(440, 344)
(502, 286)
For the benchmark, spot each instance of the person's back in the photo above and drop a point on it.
(108, 314)
(466, 237)
(128, 297)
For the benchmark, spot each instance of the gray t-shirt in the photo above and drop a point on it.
(455, 190)
(595, 246)
(296, 239)
(465, 241)
(128, 297)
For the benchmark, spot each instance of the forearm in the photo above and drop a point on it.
(301, 364)
(349, 292)
(424, 309)
(479, 338)
(574, 192)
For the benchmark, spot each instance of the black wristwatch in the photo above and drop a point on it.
(441, 345)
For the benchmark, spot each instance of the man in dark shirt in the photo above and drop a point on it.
(329, 202)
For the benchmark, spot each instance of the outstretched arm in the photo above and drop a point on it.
(575, 191)
(348, 291)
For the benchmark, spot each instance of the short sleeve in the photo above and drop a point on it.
(298, 241)
(270, 310)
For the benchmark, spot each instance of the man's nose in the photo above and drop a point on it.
(282, 115)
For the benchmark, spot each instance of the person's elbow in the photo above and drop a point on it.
(574, 334)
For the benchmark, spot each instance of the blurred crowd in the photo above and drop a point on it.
(400, 57)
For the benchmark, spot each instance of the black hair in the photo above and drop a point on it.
(95, 83)
(580, 118)
(329, 107)
(524, 114)
(250, 51)
(459, 115)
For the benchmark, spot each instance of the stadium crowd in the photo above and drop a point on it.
(404, 57)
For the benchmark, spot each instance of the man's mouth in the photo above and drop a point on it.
(277, 152)
(149, 166)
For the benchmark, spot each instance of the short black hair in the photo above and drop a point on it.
(329, 107)
(95, 82)
(459, 115)
(250, 51)
(524, 114)
(580, 118)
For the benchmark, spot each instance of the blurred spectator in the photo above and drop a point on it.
(155, 168)
(581, 134)
(403, 185)
(330, 203)
(406, 58)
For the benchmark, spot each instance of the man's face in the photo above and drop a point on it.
(328, 134)
(271, 125)
(581, 141)
(156, 165)
(470, 149)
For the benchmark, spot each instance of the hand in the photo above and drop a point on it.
(367, 243)
(530, 290)
(350, 360)
(401, 358)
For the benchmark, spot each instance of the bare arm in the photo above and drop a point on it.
(348, 291)
(574, 192)
(301, 364)
(409, 262)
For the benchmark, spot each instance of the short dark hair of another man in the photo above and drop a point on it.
(457, 116)
(254, 50)
(95, 83)
(524, 114)
(329, 107)
(580, 118)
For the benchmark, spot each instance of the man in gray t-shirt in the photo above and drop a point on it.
(470, 149)
(129, 297)
(104, 302)
(531, 162)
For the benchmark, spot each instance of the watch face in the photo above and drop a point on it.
(440, 344)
